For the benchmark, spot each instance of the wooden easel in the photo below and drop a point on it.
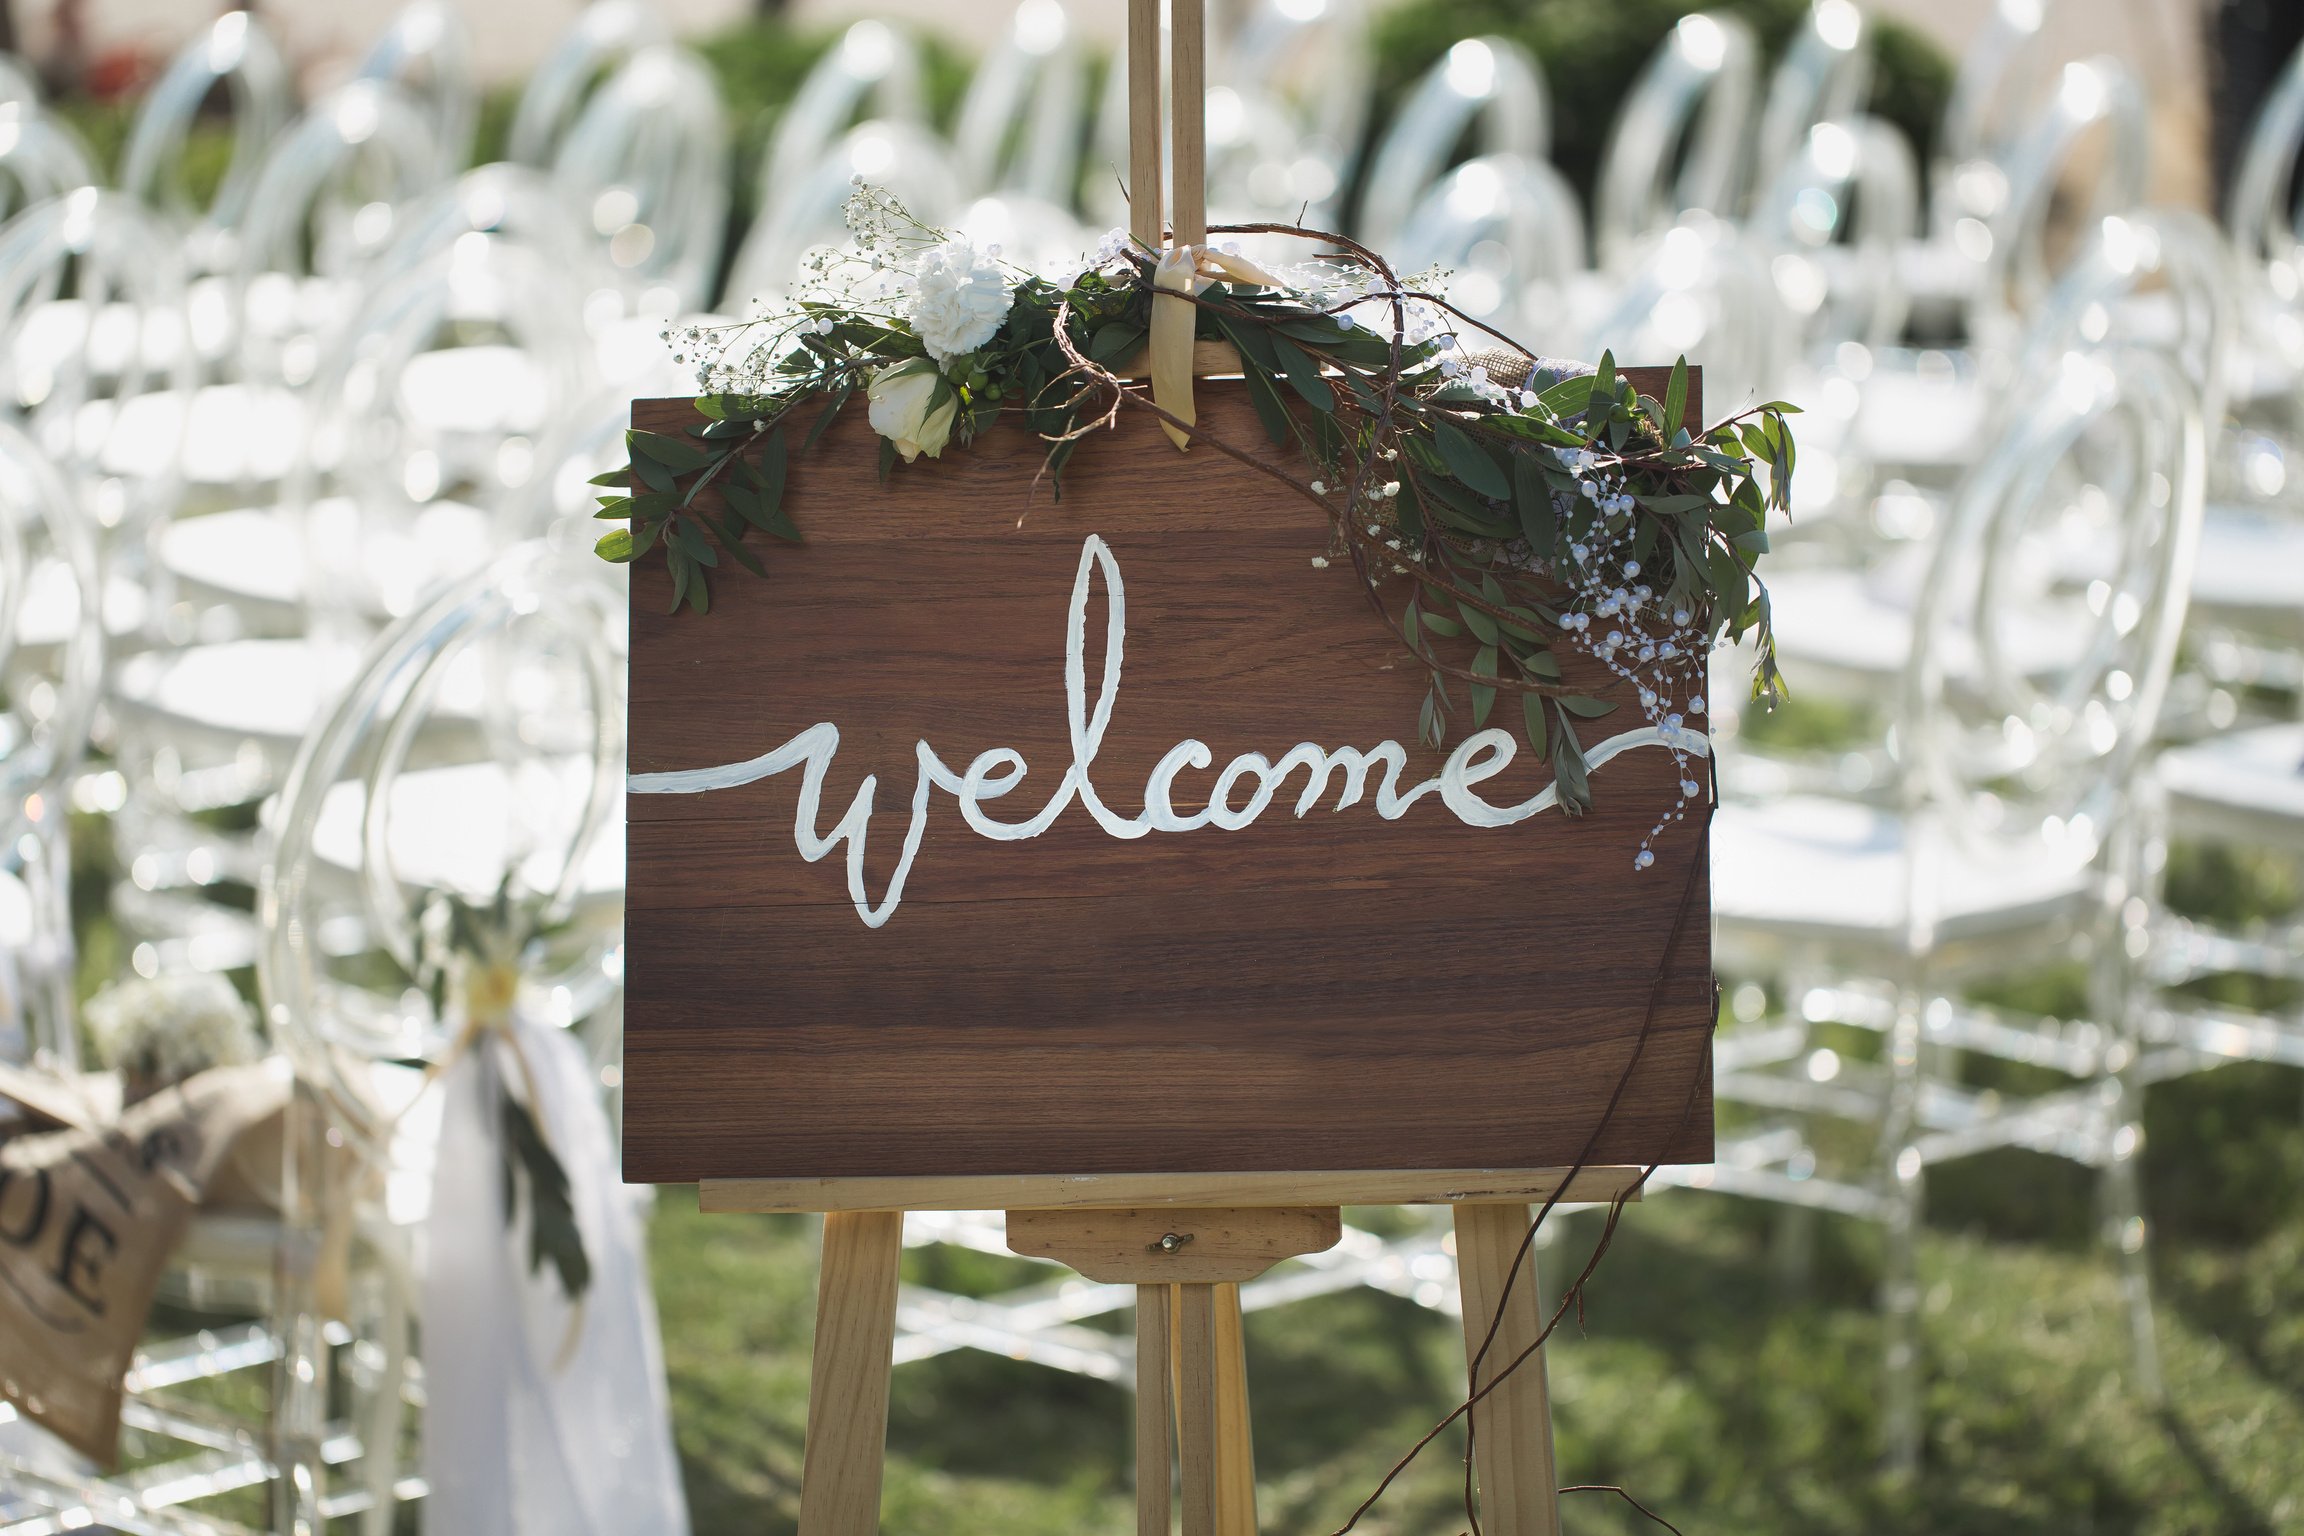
(1185, 1241)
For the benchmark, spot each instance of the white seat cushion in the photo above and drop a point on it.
(2256, 775)
(1808, 866)
(452, 828)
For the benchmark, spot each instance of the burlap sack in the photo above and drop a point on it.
(89, 1215)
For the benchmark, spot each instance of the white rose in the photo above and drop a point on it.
(904, 411)
(959, 298)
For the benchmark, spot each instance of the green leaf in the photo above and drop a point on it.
(615, 479)
(1447, 629)
(685, 535)
(887, 459)
(1603, 386)
(553, 1235)
(732, 540)
(1483, 696)
(700, 594)
(1114, 343)
(1482, 626)
(1410, 618)
(1251, 341)
(1270, 408)
(1469, 462)
(1570, 774)
(654, 475)
(1532, 723)
(824, 420)
(1676, 396)
(1584, 708)
(1304, 374)
(615, 546)
(1532, 500)
(674, 453)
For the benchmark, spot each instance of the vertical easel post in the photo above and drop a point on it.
(1235, 1445)
(848, 1376)
(1512, 1426)
(1196, 1406)
(1188, 120)
(1144, 201)
(1154, 1405)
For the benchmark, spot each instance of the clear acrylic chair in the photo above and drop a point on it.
(363, 832)
(1700, 289)
(1699, 87)
(40, 157)
(2004, 836)
(603, 35)
(422, 416)
(1488, 83)
(1313, 60)
(1511, 232)
(1824, 76)
(94, 357)
(426, 51)
(873, 73)
(238, 53)
(647, 160)
(47, 558)
(1019, 125)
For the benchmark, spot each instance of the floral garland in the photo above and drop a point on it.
(1518, 506)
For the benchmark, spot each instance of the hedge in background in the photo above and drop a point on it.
(1592, 50)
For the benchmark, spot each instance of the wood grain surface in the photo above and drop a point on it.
(1163, 1245)
(1333, 992)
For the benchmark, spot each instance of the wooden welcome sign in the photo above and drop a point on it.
(996, 836)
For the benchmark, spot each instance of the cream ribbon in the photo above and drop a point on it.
(1187, 269)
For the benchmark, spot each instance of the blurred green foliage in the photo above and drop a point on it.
(1592, 50)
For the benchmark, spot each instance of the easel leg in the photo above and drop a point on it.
(1235, 1446)
(848, 1376)
(1512, 1426)
(1153, 1407)
(1196, 1406)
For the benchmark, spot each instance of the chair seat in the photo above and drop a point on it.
(2247, 784)
(1809, 867)
(2251, 561)
(52, 606)
(489, 389)
(1861, 622)
(451, 828)
(269, 690)
(1932, 420)
(255, 556)
(229, 434)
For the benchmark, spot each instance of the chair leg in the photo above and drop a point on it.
(300, 1374)
(1901, 1181)
(2123, 989)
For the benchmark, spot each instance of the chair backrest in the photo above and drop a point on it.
(2092, 94)
(331, 188)
(1697, 91)
(1824, 76)
(427, 52)
(422, 414)
(528, 639)
(2180, 252)
(1492, 82)
(605, 34)
(648, 161)
(1019, 124)
(1836, 214)
(910, 161)
(873, 62)
(1312, 57)
(94, 354)
(1511, 232)
(2264, 211)
(2046, 628)
(1993, 89)
(1702, 289)
(40, 156)
(47, 559)
(518, 202)
(238, 52)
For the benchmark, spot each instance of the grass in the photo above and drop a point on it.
(1728, 1389)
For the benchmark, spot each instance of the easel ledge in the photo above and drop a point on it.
(1060, 1192)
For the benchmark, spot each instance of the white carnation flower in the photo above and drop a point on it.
(959, 297)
